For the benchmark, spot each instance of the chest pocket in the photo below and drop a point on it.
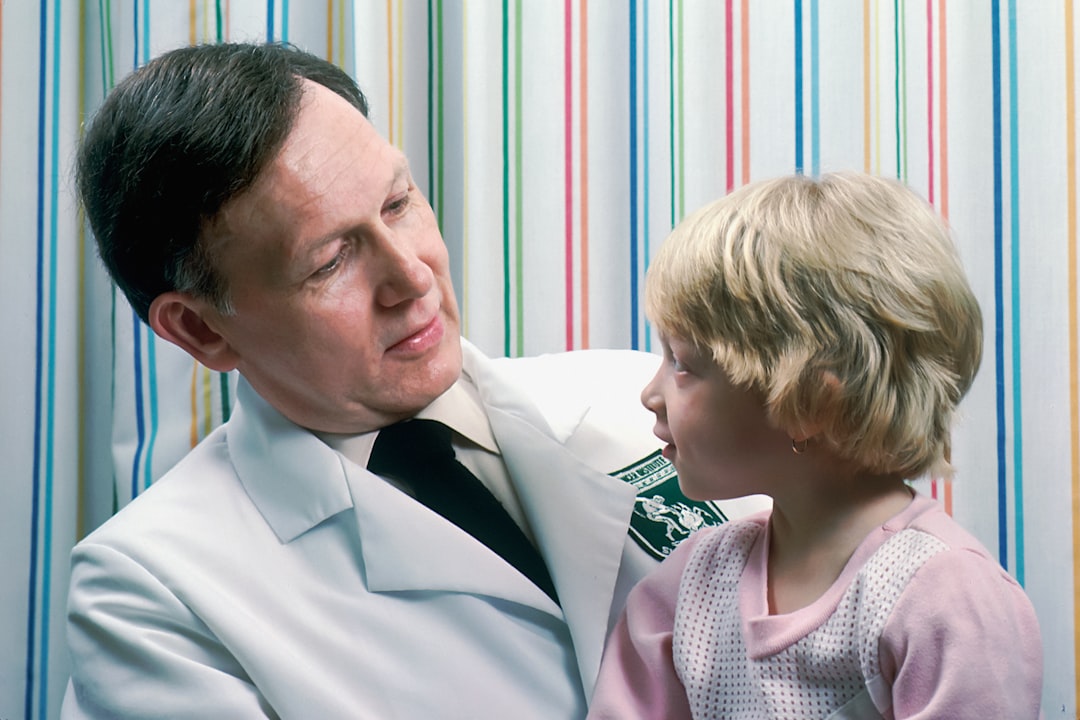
(664, 517)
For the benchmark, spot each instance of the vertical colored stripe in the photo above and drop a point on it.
(465, 40)
(81, 315)
(682, 116)
(39, 301)
(519, 214)
(151, 339)
(943, 125)
(568, 168)
(390, 71)
(897, 75)
(646, 176)
(745, 91)
(506, 173)
(583, 190)
(191, 22)
(729, 110)
(193, 430)
(729, 97)
(999, 320)
(1014, 233)
(867, 70)
(633, 112)
(285, 20)
(269, 20)
(671, 103)
(1074, 355)
(798, 87)
(431, 110)
(440, 116)
(400, 94)
(330, 30)
(815, 95)
(930, 101)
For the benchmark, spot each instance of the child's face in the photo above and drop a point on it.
(717, 434)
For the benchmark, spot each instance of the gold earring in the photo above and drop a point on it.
(799, 447)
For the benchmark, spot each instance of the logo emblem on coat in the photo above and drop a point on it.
(664, 517)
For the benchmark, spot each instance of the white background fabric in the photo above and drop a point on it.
(559, 142)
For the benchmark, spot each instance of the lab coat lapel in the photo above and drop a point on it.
(578, 515)
(579, 518)
(407, 547)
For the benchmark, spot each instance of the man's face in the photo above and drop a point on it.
(345, 318)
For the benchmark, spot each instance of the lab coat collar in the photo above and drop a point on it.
(578, 515)
(295, 480)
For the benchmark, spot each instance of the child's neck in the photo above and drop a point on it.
(815, 530)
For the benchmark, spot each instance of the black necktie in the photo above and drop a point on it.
(419, 453)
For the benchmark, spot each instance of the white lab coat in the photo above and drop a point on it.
(269, 576)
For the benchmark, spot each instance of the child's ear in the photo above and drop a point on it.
(182, 320)
(825, 404)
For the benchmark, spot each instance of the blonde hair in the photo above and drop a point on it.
(842, 300)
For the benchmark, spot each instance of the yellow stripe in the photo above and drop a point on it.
(193, 439)
(400, 78)
(191, 22)
(1074, 404)
(208, 401)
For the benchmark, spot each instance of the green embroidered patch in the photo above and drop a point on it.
(664, 517)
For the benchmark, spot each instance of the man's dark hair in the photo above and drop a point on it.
(175, 141)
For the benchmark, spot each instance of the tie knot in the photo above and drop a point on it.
(411, 443)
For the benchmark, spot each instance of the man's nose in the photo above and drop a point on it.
(402, 273)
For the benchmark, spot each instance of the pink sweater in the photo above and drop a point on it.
(921, 623)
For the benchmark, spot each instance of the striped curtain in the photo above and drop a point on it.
(559, 141)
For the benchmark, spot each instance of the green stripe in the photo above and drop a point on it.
(441, 107)
(682, 134)
(519, 213)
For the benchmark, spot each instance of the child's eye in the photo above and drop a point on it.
(676, 364)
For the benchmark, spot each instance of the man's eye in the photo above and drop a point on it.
(332, 265)
(398, 206)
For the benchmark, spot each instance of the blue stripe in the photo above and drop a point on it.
(506, 172)
(140, 429)
(31, 622)
(671, 98)
(645, 155)
(146, 31)
(47, 531)
(269, 20)
(999, 320)
(815, 95)
(634, 313)
(1014, 187)
(135, 32)
(798, 88)
(285, 20)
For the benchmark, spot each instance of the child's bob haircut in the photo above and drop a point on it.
(841, 300)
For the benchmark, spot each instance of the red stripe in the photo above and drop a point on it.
(568, 156)
(583, 189)
(729, 76)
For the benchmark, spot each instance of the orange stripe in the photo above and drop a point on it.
(943, 161)
(583, 191)
(745, 30)
(1074, 403)
(330, 30)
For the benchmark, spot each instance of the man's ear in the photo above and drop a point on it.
(181, 319)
